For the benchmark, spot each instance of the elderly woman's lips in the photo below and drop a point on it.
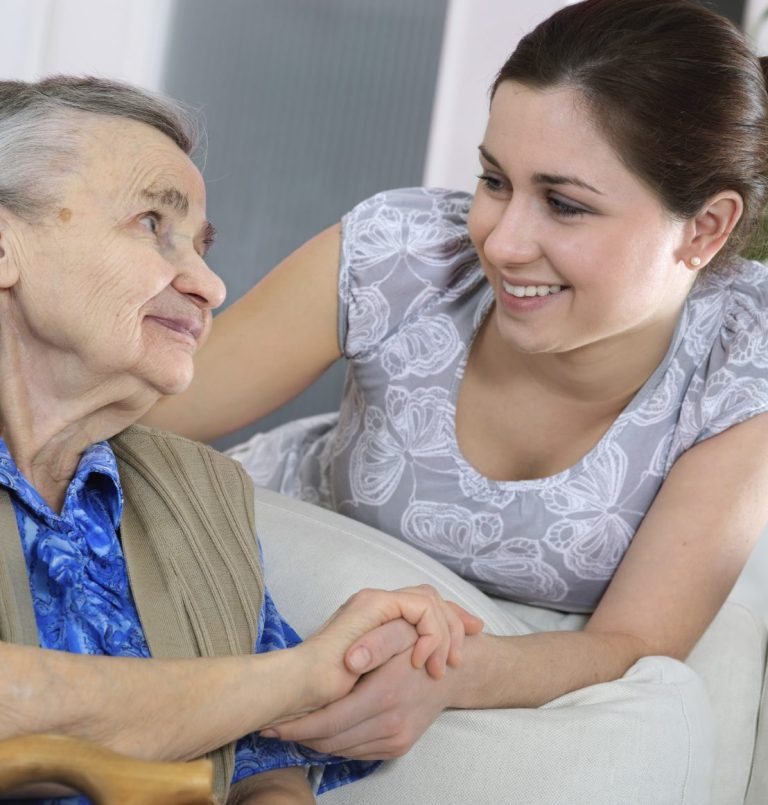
(185, 326)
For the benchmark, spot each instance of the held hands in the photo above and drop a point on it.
(383, 716)
(440, 627)
(374, 626)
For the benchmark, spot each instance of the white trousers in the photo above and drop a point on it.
(646, 738)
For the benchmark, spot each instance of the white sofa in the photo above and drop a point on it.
(298, 540)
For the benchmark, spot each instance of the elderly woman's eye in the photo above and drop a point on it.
(150, 221)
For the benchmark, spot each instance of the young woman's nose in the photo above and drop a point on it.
(512, 241)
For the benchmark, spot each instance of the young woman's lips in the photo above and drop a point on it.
(522, 295)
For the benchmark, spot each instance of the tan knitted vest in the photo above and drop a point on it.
(188, 536)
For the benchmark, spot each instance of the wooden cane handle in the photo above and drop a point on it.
(105, 776)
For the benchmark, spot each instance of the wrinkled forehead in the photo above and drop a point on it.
(122, 159)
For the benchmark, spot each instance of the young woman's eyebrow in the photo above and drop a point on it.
(544, 178)
(488, 157)
(547, 178)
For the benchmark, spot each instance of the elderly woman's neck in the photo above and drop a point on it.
(46, 430)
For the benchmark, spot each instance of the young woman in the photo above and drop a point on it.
(555, 388)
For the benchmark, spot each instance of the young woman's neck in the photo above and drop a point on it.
(606, 374)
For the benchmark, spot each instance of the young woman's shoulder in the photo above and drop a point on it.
(402, 252)
(404, 203)
(411, 224)
(727, 341)
(733, 302)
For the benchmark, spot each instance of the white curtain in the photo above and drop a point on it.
(122, 39)
(479, 35)
(756, 24)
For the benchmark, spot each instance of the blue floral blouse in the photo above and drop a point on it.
(83, 602)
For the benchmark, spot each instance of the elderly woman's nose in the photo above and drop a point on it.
(196, 279)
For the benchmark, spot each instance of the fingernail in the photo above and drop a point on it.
(268, 733)
(359, 659)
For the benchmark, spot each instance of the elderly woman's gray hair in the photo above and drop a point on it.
(40, 125)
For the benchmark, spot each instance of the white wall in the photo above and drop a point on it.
(122, 39)
(479, 36)
(756, 25)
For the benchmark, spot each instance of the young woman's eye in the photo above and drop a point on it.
(151, 222)
(563, 209)
(492, 183)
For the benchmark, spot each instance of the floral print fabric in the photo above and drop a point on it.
(412, 295)
(83, 601)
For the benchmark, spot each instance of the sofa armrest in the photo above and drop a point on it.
(757, 792)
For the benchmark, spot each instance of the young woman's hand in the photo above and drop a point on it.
(383, 716)
(375, 625)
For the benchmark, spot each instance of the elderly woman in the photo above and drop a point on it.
(131, 542)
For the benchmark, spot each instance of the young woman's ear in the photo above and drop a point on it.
(711, 227)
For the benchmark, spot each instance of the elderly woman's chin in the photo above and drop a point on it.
(173, 375)
(161, 372)
(167, 353)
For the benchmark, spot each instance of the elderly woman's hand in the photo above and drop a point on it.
(375, 625)
(440, 627)
(288, 786)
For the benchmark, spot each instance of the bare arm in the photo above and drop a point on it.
(280, 787)
(264, 349)
(678, 571)
(680, 567)
(179, 709)
(142, 707)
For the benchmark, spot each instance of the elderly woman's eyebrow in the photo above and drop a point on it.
(208, 236)
(169, 197)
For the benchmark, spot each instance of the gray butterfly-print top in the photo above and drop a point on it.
(412, 295)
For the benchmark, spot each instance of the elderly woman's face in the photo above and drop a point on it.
(113, 285)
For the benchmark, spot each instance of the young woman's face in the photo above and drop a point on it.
(558, 214)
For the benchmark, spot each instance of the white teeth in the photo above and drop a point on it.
(530, 290)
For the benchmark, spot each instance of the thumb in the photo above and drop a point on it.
(380, 645)
(472, 624)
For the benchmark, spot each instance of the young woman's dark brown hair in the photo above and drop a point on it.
(674, 87)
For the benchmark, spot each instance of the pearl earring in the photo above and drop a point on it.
(695, 262)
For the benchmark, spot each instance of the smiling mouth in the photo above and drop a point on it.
(521, 291)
